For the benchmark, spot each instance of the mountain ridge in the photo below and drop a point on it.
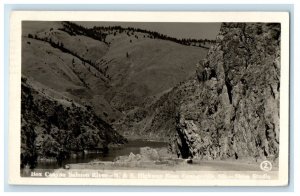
(139, 59)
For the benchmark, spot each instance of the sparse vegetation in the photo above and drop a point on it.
(100, 33)
(75, 29)
(60, 46)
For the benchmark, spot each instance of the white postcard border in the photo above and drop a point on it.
(131, 16)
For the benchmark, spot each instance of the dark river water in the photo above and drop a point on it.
(132, 146)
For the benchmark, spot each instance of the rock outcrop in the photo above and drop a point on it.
(53, 128)
(231, 109)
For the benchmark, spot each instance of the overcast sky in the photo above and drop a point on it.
(178, 30)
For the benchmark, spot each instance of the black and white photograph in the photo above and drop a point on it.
(100, 99)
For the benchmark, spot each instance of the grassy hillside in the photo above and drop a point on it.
(114, 73)
(143, 67)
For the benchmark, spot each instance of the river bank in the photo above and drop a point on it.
(132, 146)
(158, 159)
(141, 154)
(161, 159)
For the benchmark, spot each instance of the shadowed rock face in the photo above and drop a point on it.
(53, 128)
(232, 109)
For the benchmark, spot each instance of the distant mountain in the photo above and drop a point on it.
(113, 75)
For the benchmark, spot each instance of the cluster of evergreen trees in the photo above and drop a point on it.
(152, 34)
(100, 33)
(75, 29)
(60, 46)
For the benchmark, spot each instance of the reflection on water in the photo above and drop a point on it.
(132, 146)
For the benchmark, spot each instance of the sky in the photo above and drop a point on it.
(177, 30)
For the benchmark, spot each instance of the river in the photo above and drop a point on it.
(132, 146)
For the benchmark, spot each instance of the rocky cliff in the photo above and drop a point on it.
(54, 128)
(231, 108)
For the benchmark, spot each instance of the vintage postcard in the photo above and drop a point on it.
(149, 98)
